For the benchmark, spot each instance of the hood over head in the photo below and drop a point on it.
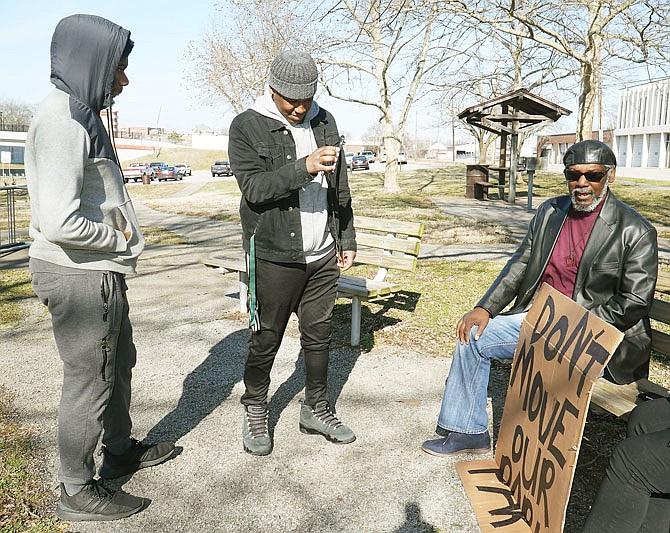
(85, 52)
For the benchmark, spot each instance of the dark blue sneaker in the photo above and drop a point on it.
(455, 443)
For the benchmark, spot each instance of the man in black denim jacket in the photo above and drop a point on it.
(298, 229)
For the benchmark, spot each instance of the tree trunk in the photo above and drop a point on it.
(392, 147)
(588, 94)
(587, 102)
(483, 149)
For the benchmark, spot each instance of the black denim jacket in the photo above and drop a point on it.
(263, 158)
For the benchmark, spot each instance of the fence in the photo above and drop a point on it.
(13, 211)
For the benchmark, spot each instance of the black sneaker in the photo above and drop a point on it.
(95, 502)
(138, 456)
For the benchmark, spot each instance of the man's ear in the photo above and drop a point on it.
(612, 175)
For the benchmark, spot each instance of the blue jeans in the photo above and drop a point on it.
(464, 400)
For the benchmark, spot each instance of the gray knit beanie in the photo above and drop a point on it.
(293, 75)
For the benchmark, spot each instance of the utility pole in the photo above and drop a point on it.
(453, 138)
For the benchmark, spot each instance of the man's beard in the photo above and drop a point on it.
(594, 203)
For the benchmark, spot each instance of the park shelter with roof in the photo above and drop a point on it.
(507, 116)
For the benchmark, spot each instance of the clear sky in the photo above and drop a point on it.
(158, 94)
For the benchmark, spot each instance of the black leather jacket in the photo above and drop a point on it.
(615, 280)
(263, 158)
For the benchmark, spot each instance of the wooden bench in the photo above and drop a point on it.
(620, 400)
(384, 243)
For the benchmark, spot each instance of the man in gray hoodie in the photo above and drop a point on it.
(85, 239)
(298, 229)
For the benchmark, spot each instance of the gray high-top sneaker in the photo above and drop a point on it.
(320, 420)
(255, 434)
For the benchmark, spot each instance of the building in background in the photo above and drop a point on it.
(642, 135)
(115, 121)
(551, 148)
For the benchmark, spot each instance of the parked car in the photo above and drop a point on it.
(382, 158)
(370, 155)
(360, 161)
(349, 156)
(183, 169)
(221, 168)
(169, 173)
(157, 166)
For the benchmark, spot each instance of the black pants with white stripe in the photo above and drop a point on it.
(283, 288)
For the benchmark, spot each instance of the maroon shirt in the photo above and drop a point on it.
(561, 272)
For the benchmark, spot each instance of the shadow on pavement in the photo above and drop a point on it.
(205, 388)
(212, 382)
(413, 521)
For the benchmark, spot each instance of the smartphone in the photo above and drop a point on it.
(338, 144)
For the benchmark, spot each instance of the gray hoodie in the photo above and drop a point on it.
(79, 203)
(313, 196)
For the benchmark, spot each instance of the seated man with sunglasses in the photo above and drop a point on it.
(588, 245)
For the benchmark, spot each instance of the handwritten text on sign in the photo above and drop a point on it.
(562, 349)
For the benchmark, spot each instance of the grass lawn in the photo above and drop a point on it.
(24, 504)
(14, 288)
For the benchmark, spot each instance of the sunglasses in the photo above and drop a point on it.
(592, 175)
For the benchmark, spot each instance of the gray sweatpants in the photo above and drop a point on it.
(89, 315)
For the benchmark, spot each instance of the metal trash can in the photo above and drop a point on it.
(474, 173)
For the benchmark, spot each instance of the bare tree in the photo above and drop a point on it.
(376, 53)
(503, 63)
(15, 114)
(595, 37)
(381, 56)
(373, 135)
(229, 63)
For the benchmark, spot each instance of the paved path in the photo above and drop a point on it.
(515, 217)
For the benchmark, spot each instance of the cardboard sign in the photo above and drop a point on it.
(491, 500)
(562, 350)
